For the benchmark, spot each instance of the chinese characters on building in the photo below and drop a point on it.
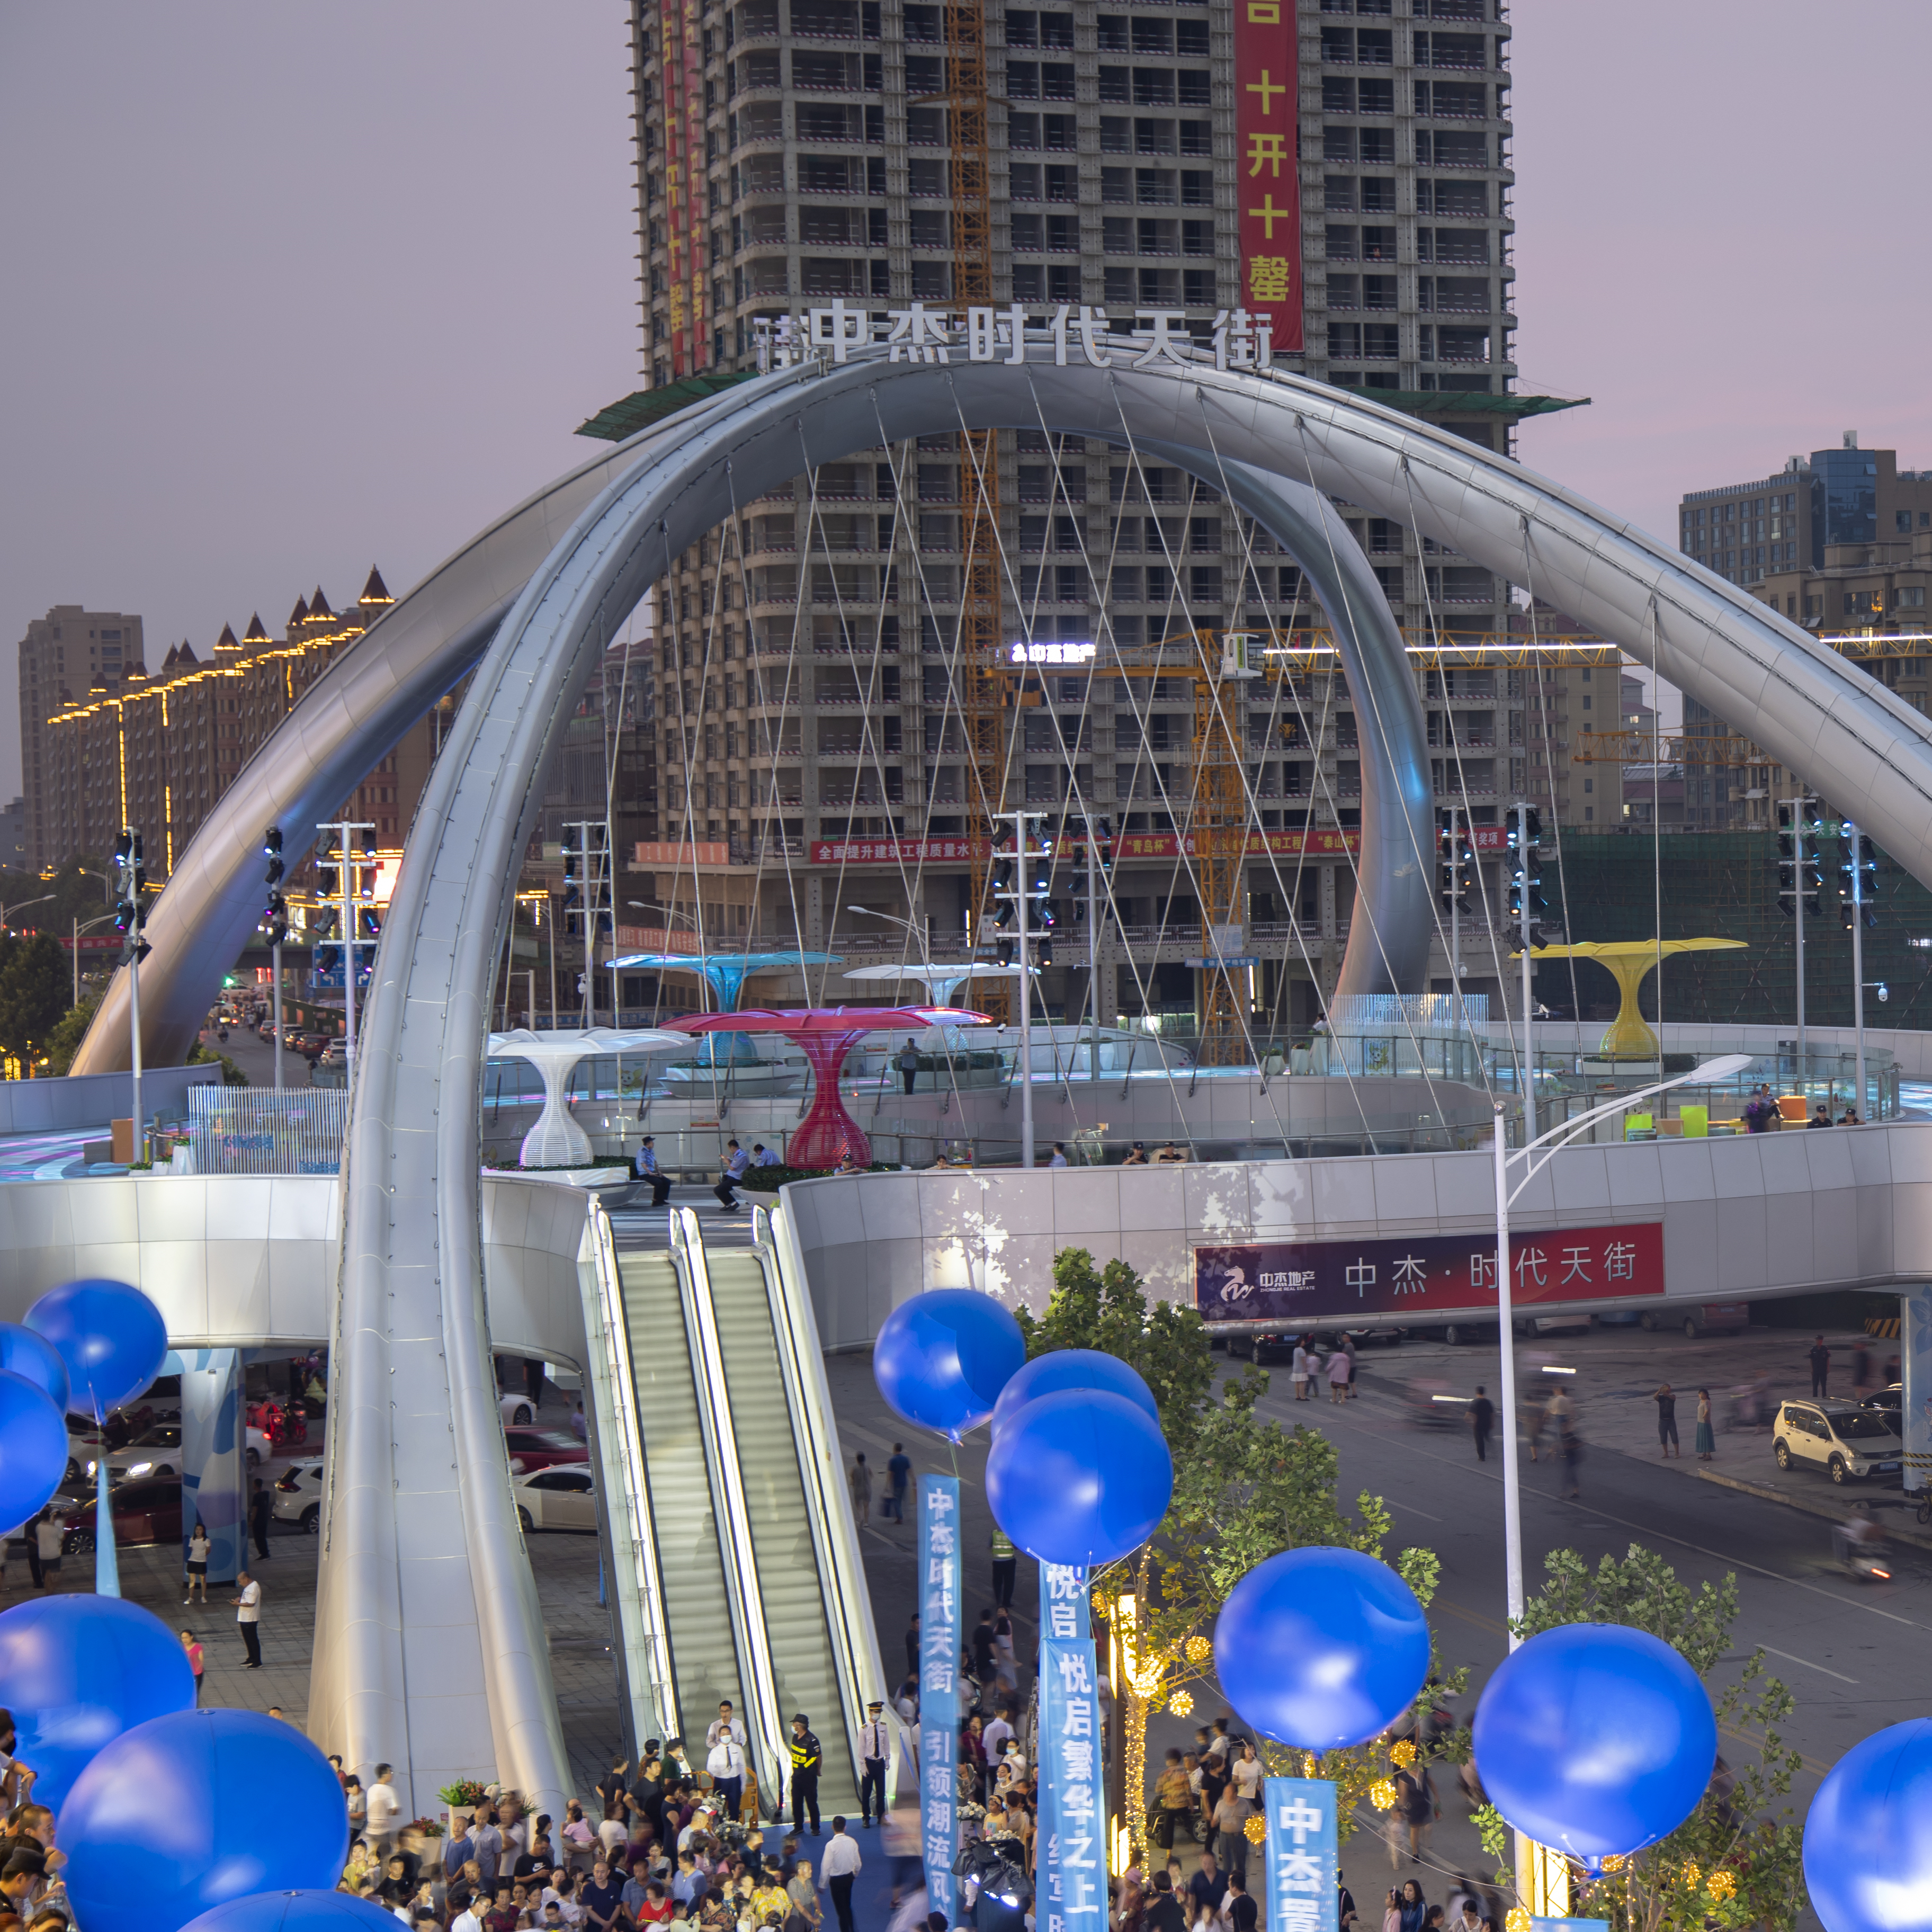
(1301, 1280)
(1300, 1842)
(1072, 1861)
(1266, 175)
(1316, 843)
(939, 1645)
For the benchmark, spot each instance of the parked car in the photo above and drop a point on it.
(1707, 1317)
(517, 1408)
(334, 1053)
(148, 1510)
(1846, 1438)
(297, 1497)
(543, 1448)
(155, 1451)
(1890, 1403)
(1269, 1348)
(561, 1497)
(1576, 1323)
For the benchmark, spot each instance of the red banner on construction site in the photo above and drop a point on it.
(1266, 176)
(1326, 843)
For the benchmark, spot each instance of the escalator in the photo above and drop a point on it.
(727, 1527)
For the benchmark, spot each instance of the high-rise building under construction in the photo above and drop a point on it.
(1341, 170)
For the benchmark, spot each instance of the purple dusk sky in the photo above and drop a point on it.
(294, 291)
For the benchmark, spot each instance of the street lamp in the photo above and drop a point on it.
(7, 912)
(78, 930)
(1723, 1068)
(893, 918)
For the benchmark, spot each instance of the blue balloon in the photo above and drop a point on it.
(1074, 1369)
(292, 1912)
(1867, 1849)
(33, 1450)
(1322, 1648)
(943, 1358)
(1079, 1477)
(77, 1671)
(111, 1336)
(189, 1811)
(1595, 1739)
(37, 1358)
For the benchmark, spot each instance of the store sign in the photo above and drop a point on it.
(1300, 1814)
(1294, 1282)
(1266, 172)
(1051, 654)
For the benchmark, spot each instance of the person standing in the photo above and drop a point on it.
(840, 1866)
(197, 1563)
(898, 1473)
(736, 1160)
(1482, 1420)
(385, 1808)
(1666, 1422)
(248, 1619)
(725, 1758)
(1339, 1368)
(908, 1063)
(1821, 1366)
(1861, 1370)
(1707, 1442)
(1005, 1569)
(912, 1645)
(196, 1662)
(644, 1167)
(875, 1751)
(806, 1759)
(1059, 1154)
(1298, 1372)
(858, 1480)
(49, 1543)
(259, 1503)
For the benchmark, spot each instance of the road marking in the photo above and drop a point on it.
(1769, 1650)
(1411, 1509)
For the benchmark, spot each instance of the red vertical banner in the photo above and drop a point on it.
(1268, 176)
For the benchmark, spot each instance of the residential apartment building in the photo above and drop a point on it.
(807, 738)
(69, 649)
(156, 751)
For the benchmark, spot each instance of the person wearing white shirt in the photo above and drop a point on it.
(466, 1921)
(838, 1868)
(875, 1752)
(994, 1737)
(248, 1619)
(726, 1764)
(726, 1722)
(384, 1808)
(1248, 1773)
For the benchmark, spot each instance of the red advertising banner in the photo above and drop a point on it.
(1295, 1281)
(1329, 843)
(1267, 174)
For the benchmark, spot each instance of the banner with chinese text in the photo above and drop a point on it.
(1300, 1281)
(1063, 1603)
(1072, 1876)
(1319, 843)
(1267, 174)
(1300, 1841)
(939, 1649)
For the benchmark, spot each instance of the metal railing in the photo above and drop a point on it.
(237, 1130)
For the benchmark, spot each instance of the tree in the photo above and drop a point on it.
(1736, 1860)
(63, 1041)
(35, 977)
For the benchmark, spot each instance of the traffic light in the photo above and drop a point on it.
(1857, 878)
(1799, 876)
(1001, 881)
(1458, 866)
(131, 901)
(597, 882)
(275, 914)
(1527, 905)
(573, 887)
(1104, 833)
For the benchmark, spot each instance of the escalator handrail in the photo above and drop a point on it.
(855, 1641)
(767, 1730)
(625, 1504)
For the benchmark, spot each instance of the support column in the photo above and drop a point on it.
(214, 1461)
(1915, 1349)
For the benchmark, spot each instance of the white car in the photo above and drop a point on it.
(562, 1497)
(516, 1410)
(156, 1451)
(297, 1496)
(1847, 1438)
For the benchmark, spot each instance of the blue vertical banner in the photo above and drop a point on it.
(1300, 1816)
(1072, 1844)
(940, 1638)
(213, 1459)
(1063, 1603)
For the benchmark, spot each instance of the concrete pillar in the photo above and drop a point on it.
(215, 1441)
(814, 914)
(1914, 1347)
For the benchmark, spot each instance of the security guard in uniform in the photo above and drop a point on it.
(875, 1748)
(805, 1766)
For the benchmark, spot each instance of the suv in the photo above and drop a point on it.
(1848, 1437)
(297, 1497)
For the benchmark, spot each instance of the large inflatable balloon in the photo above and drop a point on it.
(187, 1812)
(1595, 1739)
(33, 1450)
(1080, 1477)
(1868, 1834)
(943, 1358)
(294, 1912)
(37, 1358)
(111, 1336)
(76, 1671)
(1322, 1648)
(1073, 1369)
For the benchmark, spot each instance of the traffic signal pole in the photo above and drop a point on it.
(1529, 1037)
(1798, 911)
(1019, 895)
(1857, 842)
(133, 881)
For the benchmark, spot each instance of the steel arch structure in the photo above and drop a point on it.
(430, 1651)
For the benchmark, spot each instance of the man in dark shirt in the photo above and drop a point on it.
(983, 1646)
(1242, 1911)
(806, 1758)
(1482, 1419)
(1208, 1886)
(1821, 1366)
(1164, 1913)
(912, 1645)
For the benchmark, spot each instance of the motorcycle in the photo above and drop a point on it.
(1859, 1549)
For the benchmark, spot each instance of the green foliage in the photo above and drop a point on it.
(1739, 1840)
(201, 1055)
(63, 1041)
(36, 984)
(769, 1179)
(1494, 1831)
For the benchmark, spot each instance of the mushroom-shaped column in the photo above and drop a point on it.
(556, 1140)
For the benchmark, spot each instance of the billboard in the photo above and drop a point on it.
(1267, 174)
(1416, 1277)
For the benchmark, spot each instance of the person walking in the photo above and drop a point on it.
(736, 1160)
(50, 1542)
(644, 1167)
(259, 1504)
(196, 1662)
(248, 1619)
(840, 1866)
(1573, 1458)
(1482, 1420)
(1666, 1422)
(1298, 1370)
(858, 1480)
(197, 1564)
(806, 1760)
(1707, 1442)
(908, 1063)
(1821, 1366)
(898, 1475)
(1005, 1569)
(875, 1752)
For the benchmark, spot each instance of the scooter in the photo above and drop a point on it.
(1859, 1549)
